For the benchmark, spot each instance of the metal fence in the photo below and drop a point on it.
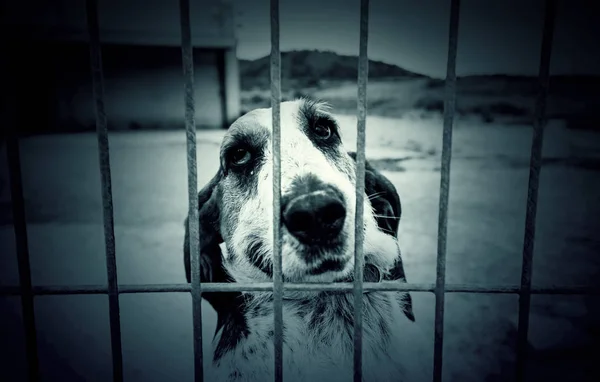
(27, 291)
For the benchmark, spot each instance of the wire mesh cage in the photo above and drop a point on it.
(113, 289)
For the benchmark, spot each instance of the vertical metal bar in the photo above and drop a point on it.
(10, 104)
(107, 202)
(103, 149)
(359, 259)
(20, 226)
(276, 115)
(532, 192)
(193, 223)
(449, 110)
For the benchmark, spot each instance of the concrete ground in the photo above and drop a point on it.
(488, 193)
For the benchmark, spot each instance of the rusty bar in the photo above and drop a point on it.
(20, 226)
(449, 109)
(187, 55)
(532, 192)
(44, 290)
(359, 259)
(277, 266)
(107, 202)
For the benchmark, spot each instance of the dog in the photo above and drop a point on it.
(318, 201)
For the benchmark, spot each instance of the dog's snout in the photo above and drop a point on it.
(314, 217)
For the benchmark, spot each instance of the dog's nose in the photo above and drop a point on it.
(314, 217)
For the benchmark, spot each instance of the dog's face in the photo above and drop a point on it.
(318, 199)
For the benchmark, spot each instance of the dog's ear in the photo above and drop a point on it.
(388, 210)
(211, 259)
(383, 197)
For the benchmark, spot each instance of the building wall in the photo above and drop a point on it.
(233, 97)
(141, 92)
(143, 88)
(141, 49)
(128, 21)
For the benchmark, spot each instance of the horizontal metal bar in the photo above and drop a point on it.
(314, 287)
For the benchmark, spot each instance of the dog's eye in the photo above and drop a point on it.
(323, 131)
(240, 156)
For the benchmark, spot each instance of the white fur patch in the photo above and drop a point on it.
(300, 157)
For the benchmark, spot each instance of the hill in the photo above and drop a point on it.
(394, 91)
(305, 68)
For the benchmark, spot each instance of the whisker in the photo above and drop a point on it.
(375, 194)
(386, 216)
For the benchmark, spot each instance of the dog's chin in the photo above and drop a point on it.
(325, 261)
(329, 270)
(322, 267)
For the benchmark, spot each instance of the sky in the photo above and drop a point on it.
(495, 36)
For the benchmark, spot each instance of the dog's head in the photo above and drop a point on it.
(318, 201)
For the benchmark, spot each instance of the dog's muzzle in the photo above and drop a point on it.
(314, 212)
(315, 218)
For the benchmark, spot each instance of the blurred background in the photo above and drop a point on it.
(498, 60)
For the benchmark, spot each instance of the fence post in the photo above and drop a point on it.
(107, 202)
(276, 121)
(18, 211)
(359, 259)
(187, 54)
(532, 191)
(449, 110)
